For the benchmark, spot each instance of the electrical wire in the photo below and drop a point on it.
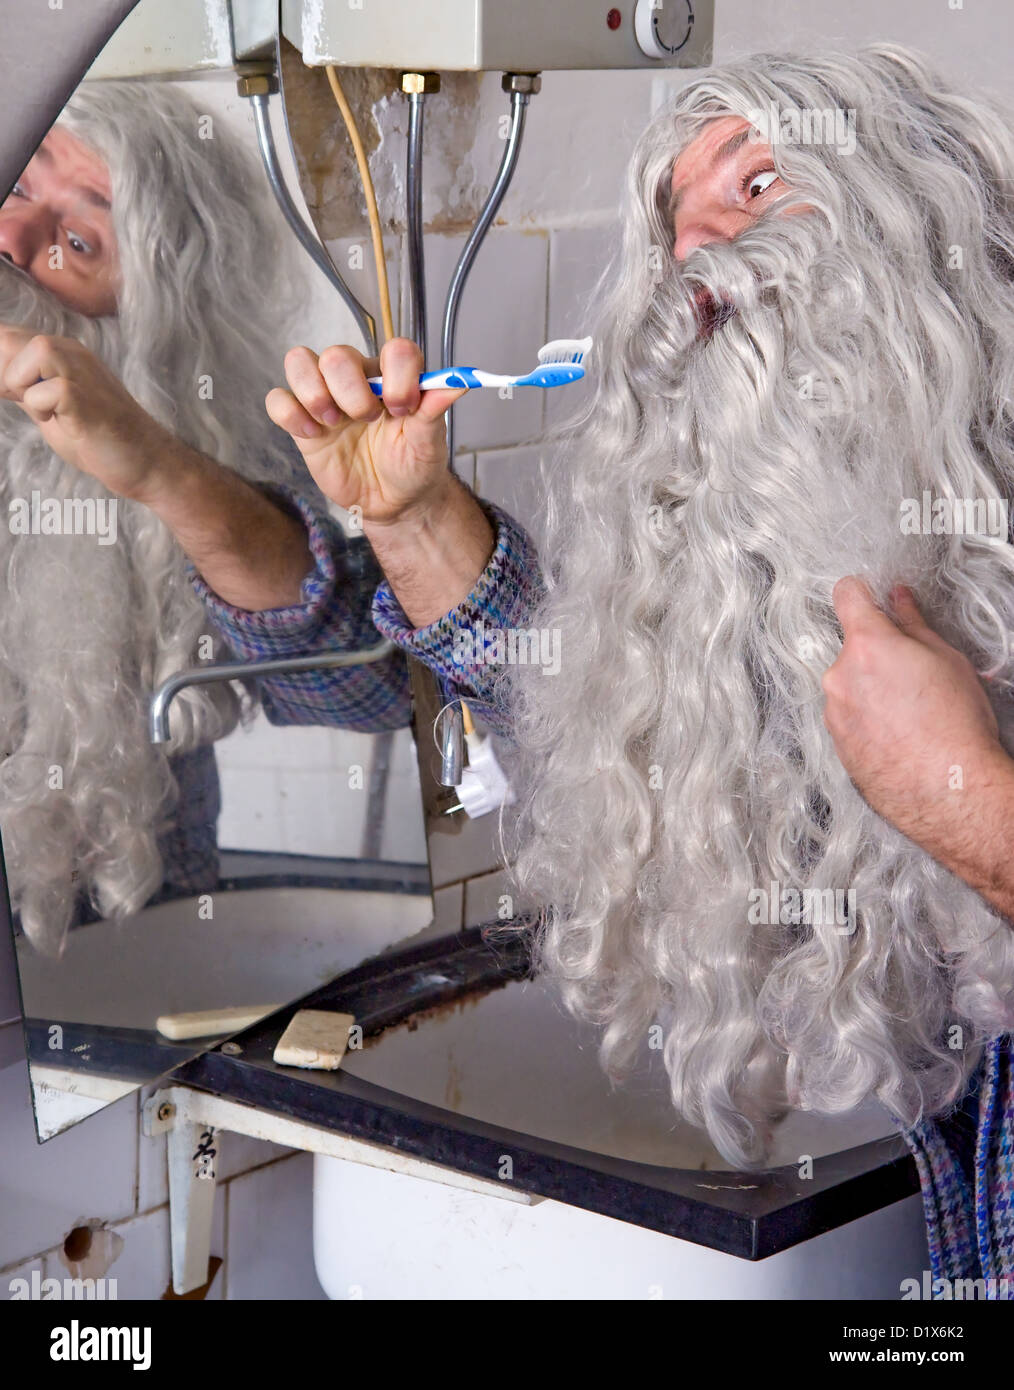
(371, 200)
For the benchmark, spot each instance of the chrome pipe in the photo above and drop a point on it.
(519, 105)
(307, 238)
(417, 328)
(161, 700)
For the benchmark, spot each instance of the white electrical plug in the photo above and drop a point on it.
(483, 786)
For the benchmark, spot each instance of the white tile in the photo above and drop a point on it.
(239, 1154)
(354, 258)
(487, 897)
(512, 478)
(251, 809)
(322, 814)
(270, 1233)
(448, 908)
(22, 1271)
(88, 1172)
(143, 1268)
(577, 257)
(460, 848)
(579, 134)
(501, 326)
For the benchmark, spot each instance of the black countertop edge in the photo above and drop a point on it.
(749, 1214)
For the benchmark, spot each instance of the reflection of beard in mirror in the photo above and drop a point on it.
(679, 765)
(87, 631)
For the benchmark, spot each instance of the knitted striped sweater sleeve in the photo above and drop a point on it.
(456, 647)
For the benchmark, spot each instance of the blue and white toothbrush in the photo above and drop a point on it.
(559, 363)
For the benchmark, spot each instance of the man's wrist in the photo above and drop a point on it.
(976, 844)
(434, 554)
(173, 469)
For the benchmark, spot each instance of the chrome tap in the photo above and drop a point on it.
(236, 670)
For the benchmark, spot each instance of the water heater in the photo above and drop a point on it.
(502, 35)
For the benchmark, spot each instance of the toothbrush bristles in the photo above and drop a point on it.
(564, 350)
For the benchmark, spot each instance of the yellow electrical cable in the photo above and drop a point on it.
(371, 201)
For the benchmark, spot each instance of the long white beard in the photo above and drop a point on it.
(679, 763)
(87, 631)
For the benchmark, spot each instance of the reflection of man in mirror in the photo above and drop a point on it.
(138, 334)
(785, 853)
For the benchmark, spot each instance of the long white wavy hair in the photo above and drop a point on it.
(703, 507)
(87, 631)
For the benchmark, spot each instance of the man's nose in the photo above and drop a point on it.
(21, 233)
(694, 234)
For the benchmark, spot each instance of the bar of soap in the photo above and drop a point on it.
(207, 1023)
(315, 1039)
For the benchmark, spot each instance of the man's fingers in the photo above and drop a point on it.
(433, 405)
(343, 371)
(42, 400)
(40, 356)
(401, 363)
(287, 413)
(908, 617)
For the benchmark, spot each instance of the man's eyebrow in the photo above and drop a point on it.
(85, 194)
(93, 196)
(727, 150)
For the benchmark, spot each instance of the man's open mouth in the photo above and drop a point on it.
(710, 312)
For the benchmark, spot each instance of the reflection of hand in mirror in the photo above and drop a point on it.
(84, 413)
(134, 365)
(389, 459)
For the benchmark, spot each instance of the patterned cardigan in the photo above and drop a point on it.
(965, 1160)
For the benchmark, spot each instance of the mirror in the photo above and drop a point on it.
(157, 522)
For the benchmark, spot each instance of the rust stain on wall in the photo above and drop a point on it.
(326, 163)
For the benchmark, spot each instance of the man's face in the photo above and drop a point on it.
(721, 183)
(63, 200)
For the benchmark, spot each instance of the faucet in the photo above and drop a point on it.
(234, 670)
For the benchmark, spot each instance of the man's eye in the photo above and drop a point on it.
(759, 182)
(16, 192)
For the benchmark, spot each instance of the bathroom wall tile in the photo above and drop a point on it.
(354, 258)
(448, 909)
(88, 1172)
(461, 848)
(404, 836)
(321, 814)
(501, 326)
(22, 1271)
(251, 809)
(511, 478)
(577, 256)
(483, 898)
(266, 745)
(143, 1268)
(270, 1233)
(447, 914)
(579, 133)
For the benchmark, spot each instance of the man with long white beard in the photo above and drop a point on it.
(780, 686)
(143, 288)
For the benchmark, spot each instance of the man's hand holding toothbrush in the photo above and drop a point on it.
(387, 456)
